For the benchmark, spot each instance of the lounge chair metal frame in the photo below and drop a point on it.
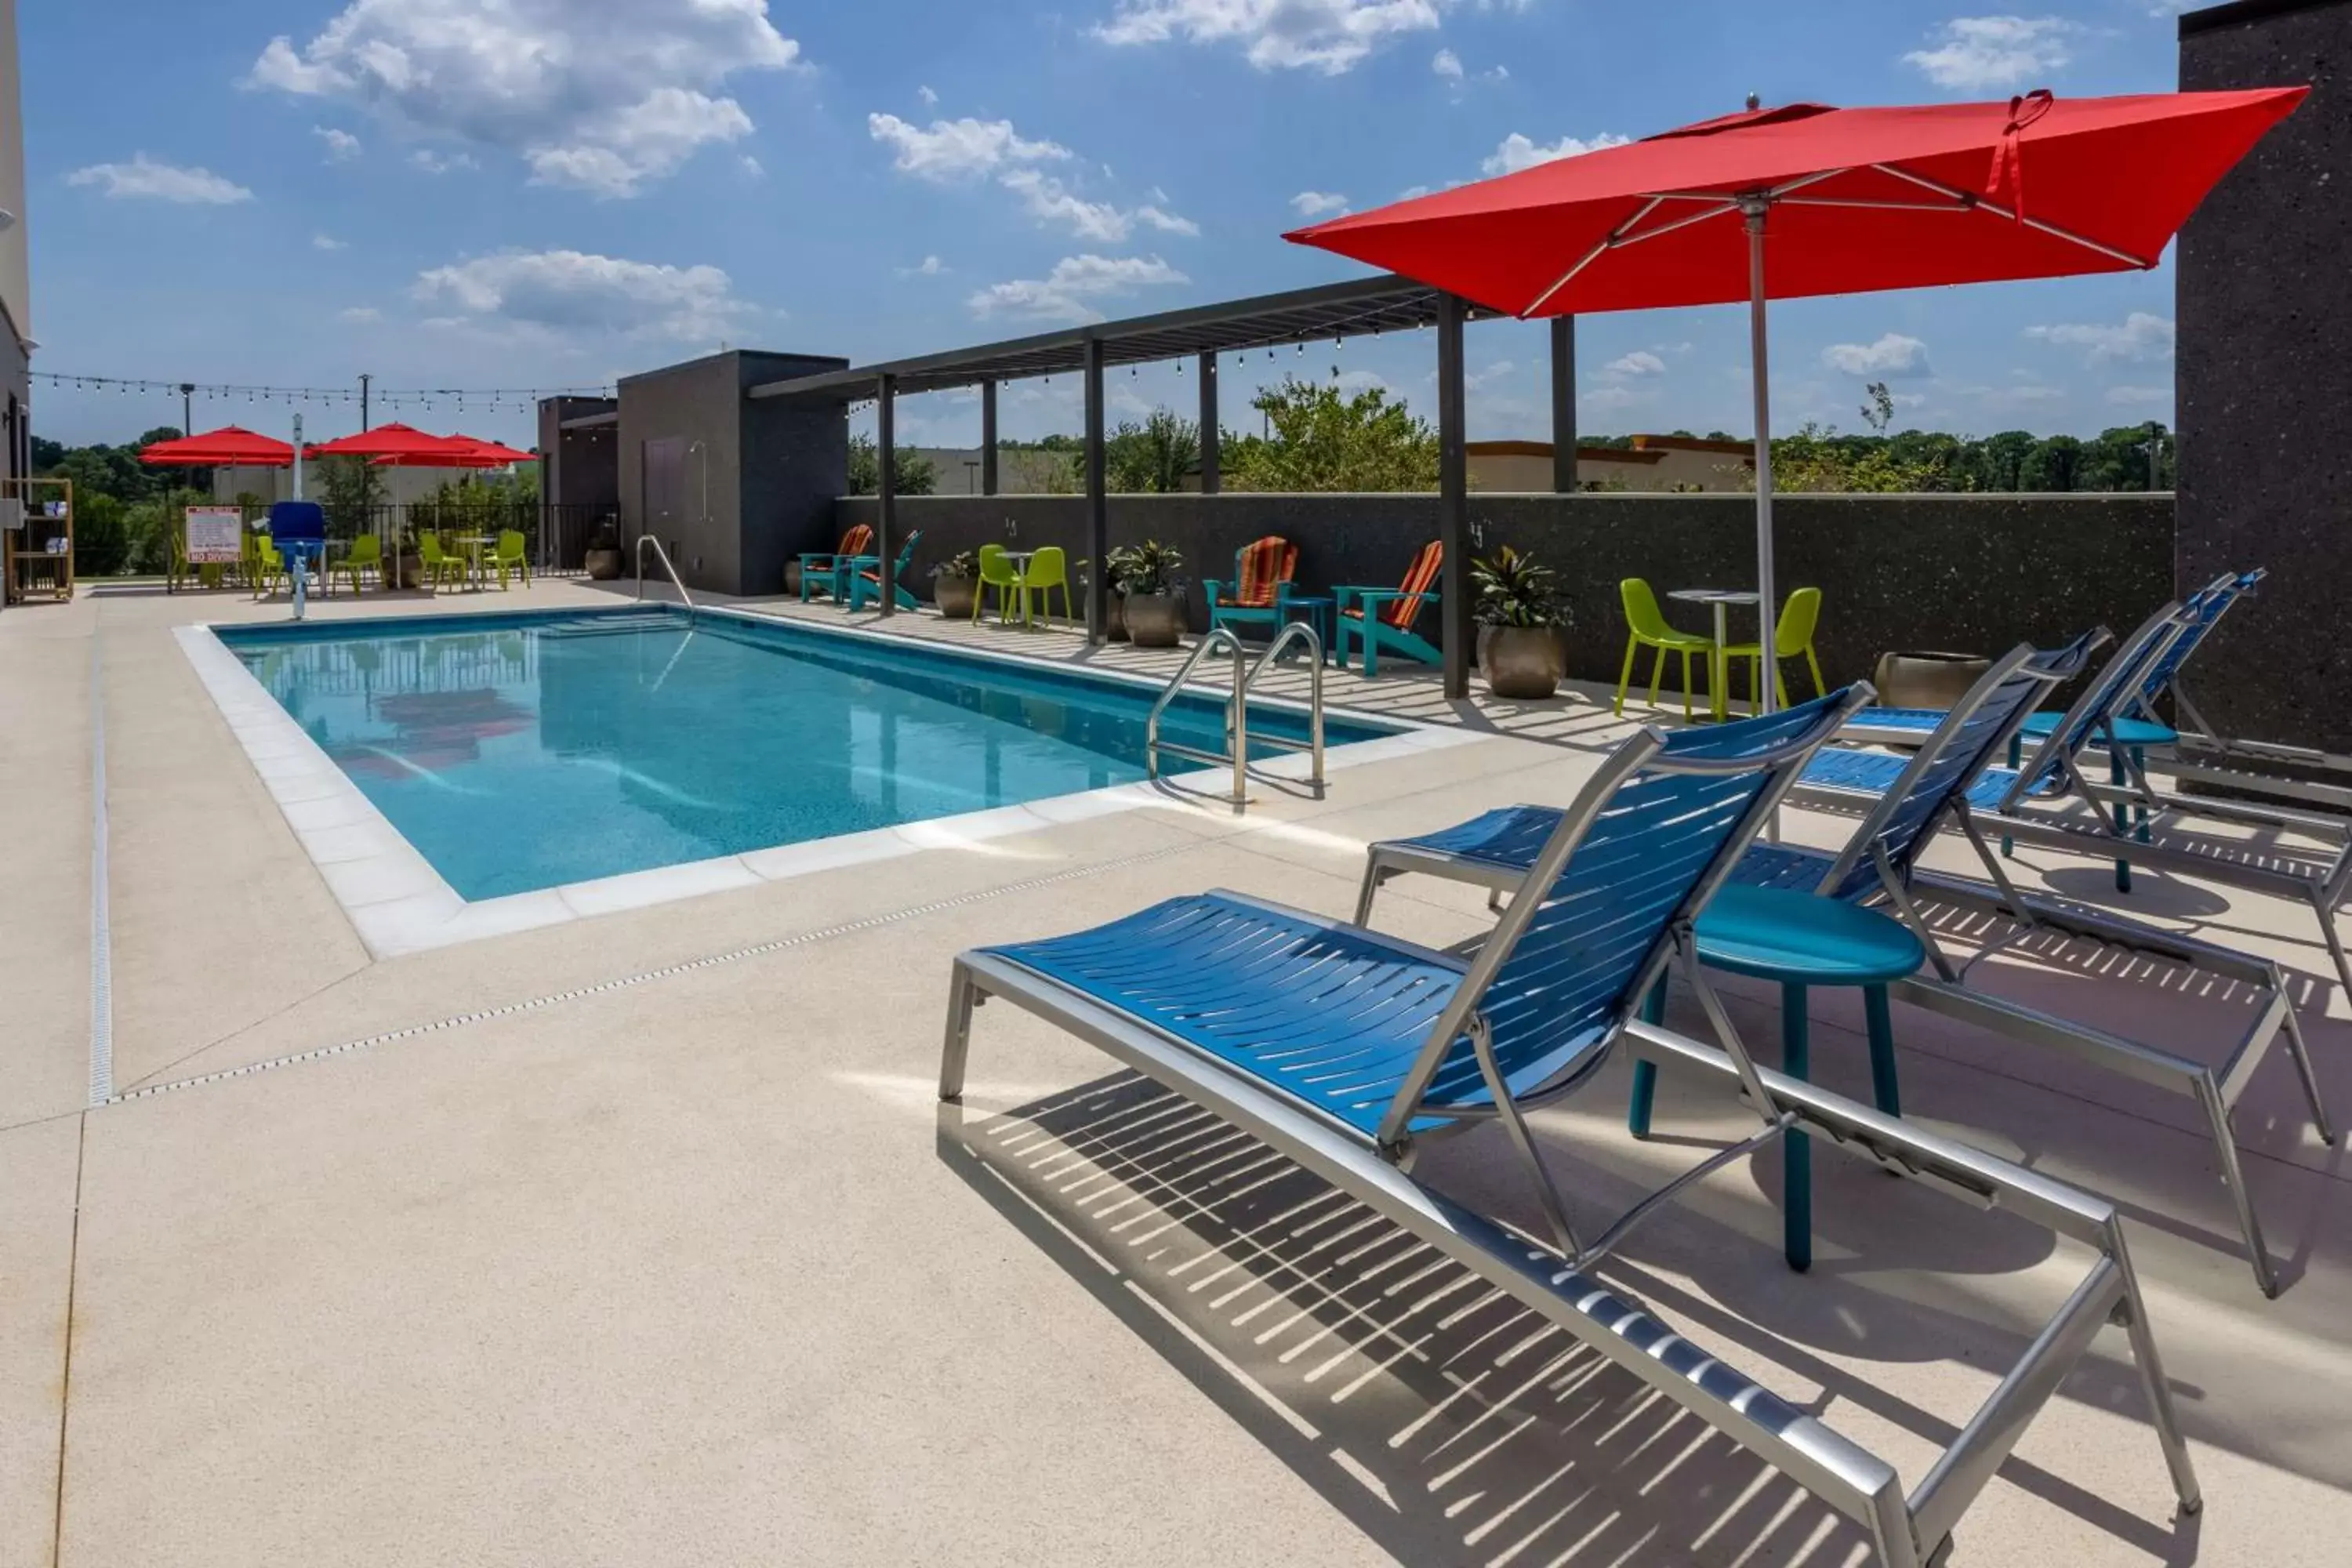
(2215, 1088)
(1905, 1532)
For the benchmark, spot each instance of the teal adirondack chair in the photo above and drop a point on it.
(1382, 618)
(865, 577)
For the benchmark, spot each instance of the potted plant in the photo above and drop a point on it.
(603, 555)
(1151, 595)
(1519, 620)
(954, 582)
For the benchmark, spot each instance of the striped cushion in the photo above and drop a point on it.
(1419, 579)
(856, 541)
(1259, 569)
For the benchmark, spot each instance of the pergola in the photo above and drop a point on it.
(1367, 308)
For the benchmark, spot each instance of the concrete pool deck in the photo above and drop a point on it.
(639, 1239)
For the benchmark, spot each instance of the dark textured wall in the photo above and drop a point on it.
(762, 476)
(1972, 573)
(2265, 379)
(581, 468)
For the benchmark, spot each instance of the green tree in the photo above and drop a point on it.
(915, 473)
(1998, 462)
(101, 536)
(1320, 440)
(2055, 463)
(1152, 457)
(350, 488)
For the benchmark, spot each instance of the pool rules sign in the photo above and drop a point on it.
(214, 534)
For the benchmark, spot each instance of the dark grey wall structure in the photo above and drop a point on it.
(1973, 572)
(731, 487)
(579, 467)
(2266, 378)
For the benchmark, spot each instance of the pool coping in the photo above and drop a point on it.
(398, 904)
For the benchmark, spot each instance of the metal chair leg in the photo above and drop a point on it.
(1796, 1148)
(1645, 1074)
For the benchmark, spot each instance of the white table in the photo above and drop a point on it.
(1718, 666)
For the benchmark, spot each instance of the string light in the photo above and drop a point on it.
(496, 398)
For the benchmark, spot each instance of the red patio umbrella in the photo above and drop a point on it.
(1852, 200)
(231, 446)
(462, 452)
(402, 443)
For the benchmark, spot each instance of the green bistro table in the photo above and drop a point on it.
(1801, 940)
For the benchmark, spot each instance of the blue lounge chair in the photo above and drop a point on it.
(864, 574)
(1342, 1049)
(2053, 802)
(1879, 863)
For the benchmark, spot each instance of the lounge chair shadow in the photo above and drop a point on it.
(1435, 1413)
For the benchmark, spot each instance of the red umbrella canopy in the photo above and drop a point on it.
(1856, 200)
(231, 446)
(463, 452)
(403, 443)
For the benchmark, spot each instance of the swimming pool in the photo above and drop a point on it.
(522, 753)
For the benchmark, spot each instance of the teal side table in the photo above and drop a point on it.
(1797, 941)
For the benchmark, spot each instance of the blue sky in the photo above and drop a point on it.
(539, 193)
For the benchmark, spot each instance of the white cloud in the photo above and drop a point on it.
(957, 148)
(1317, 204)
(1640, 361)
(1355, 382)
(361, 313)
(929, 267)
(751, 166)
(571, 291)
(1893, 355)
(1329, 36)
(341, 146)
(433, 163)
(952, 150)
(2140, 397)
(1984, 54)
(1516, 152)
(601, 95)
(2140, 337)
(1410, 192)
(1611, 397)
(1446, 64)
(927, 96)
(328, 242)
(1072, 290)
(1476, 379)
(143, 177)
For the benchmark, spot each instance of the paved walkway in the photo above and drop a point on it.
(640, 1239)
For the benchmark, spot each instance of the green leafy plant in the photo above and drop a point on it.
(1152, 457)
(1516, 590)
(1146, 568)
(962, 563)
(915, 474)
(1317, 439)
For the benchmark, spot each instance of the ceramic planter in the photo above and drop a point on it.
(603, 565)
(1154, 620)
(791, 579)
(954, 595)
(1926, 679)
(1522, 663)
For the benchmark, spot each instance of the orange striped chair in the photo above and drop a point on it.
(830, 574)
(1383, 617)
(1261, 587)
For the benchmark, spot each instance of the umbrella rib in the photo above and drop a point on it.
(1624, 235)
(1969, 199)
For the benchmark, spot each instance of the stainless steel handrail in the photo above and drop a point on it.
(1237, 717)
(676, 581)
(1299, 631)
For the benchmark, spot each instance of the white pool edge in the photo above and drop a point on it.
(398, 904)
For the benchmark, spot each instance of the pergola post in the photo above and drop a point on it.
(1563, 405)
(886, 525)
(1212, 478)
(1453, 497)
(1097, 500)
(988, 437)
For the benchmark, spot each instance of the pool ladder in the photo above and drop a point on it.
(645, 539)
(1237, 736)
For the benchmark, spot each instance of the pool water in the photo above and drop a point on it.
(527, 752)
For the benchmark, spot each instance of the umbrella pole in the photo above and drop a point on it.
(1768, 621)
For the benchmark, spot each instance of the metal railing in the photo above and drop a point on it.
(1237, 736)
(645, 539)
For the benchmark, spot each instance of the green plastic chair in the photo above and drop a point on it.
(998, 573)
(1646, 627)
(1799, 616)
(1048, 568)
(509, 555)
(366, 555)
(440, 566)
(268, 566)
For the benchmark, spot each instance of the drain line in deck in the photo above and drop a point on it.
(101, 932)
(687, 966)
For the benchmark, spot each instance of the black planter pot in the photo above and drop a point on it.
(1154, 620)
(603, 565)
